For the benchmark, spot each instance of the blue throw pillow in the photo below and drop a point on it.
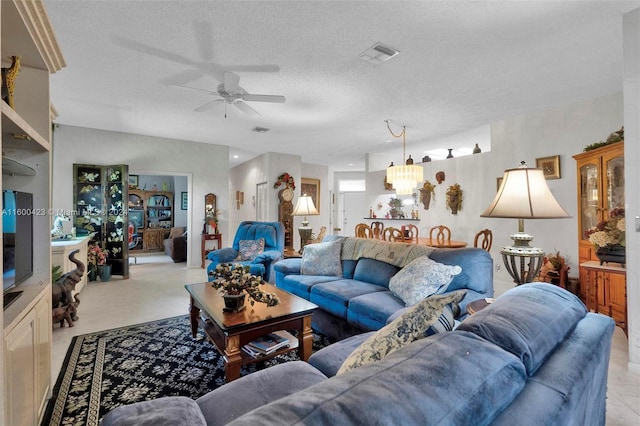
(322, 259)
(421, 278)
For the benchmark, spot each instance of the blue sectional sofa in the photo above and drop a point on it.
(533, 357)
(360, 300)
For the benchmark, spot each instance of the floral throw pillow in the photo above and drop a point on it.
(422, 278)
(410, 326)
(322, 259)
(250, 249)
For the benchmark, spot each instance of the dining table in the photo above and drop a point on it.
(432, 242)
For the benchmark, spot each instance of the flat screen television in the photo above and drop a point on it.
(17, 237)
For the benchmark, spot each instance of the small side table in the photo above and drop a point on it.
(203, 245)
(289, 252)
(477, 305)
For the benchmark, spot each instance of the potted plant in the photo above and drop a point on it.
(395, 208)
(235, 281)
(608, 237)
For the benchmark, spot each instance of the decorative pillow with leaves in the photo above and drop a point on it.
(250, 249)
(322, 259)
(422, 278)
(410, 326)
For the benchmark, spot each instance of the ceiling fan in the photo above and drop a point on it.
(230, 92)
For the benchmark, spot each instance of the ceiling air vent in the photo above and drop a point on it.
(378, 54)
(260, 129)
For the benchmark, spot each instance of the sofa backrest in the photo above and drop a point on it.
(374, 272)
(545, 313)
(477, 268)
(272, 232)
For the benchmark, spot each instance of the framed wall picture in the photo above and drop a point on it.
(311, 187)
(550, 166)
(184, 205)
(133, 181)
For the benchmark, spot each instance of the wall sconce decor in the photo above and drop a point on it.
(239, 199)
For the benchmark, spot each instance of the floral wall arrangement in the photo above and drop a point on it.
(285, 179)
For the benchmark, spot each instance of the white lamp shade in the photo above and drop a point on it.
(305, 207)
(405, 178)
(524, 194)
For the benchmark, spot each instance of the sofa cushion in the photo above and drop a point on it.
(250, 249)
(371, 311)
(422, 278)
(546, 315)
(405, 329)
(322, 259)
(224, 404)
(176, 231)
(374, 272)
(468, 388)
(168, 411)
(334, 296)
(477, 268)
(301, 285)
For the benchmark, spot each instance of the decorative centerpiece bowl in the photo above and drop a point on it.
(235, 281)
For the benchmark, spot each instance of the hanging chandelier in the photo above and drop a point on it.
(407, 177)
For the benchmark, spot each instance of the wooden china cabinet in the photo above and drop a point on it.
(600, 179)
(152, 214)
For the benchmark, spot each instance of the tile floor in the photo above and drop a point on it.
(155, 290)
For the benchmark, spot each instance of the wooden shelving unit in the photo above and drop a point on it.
(152, 213)
(25, 31)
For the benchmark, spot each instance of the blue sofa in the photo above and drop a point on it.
(273, 234)
(533, 357)
(360, 299)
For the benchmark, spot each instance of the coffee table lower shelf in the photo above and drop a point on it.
(218, 342)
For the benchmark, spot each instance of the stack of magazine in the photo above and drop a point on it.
(268, 344)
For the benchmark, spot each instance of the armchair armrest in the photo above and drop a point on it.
(289, 266)
(226, 254)
(267, 256)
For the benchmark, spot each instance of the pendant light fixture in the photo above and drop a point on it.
(404, 178)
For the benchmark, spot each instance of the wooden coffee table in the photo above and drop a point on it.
(230, 331)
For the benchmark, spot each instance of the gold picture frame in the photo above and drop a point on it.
(311, 187)
(550, 166)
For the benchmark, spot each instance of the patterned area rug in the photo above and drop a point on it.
(121, 366)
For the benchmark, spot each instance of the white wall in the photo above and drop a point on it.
(206, 167)
(564, 130)
(631, 27)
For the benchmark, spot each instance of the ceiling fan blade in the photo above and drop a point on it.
(181, 78)
(192, 88)
(264, 98)
(203, 32)
(253, 68)
(207, 106)
(150, 50)
(246, 109)
(231, 82)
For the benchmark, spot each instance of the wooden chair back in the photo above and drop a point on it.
(412, 233)
(377, 228)
(363, 231)
(320, 237)
(392, 234)
(442, 234)
(483, 239)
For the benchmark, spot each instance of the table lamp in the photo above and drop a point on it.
(305, 207)
(523, 194)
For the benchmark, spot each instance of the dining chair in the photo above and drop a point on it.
(377, 228)
(363, 231)
(319, 237)
(442, 233)
(392, 234)
(412, 233)
(483, 239)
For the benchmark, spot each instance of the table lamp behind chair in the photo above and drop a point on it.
(523, 194)
(305, 207)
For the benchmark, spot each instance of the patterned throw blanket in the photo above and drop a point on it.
(397, 254)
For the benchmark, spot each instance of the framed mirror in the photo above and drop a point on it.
(209, 205)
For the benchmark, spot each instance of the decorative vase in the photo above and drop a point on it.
(476, 149)
(92, 274)
(612, 253)
(394, 214)
(450, 153)
(104, 271)
(234, 302)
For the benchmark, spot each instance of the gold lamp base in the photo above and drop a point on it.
(305, 235)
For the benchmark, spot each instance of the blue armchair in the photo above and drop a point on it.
(273, 234)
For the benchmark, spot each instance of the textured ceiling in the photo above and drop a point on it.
(462, 65)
